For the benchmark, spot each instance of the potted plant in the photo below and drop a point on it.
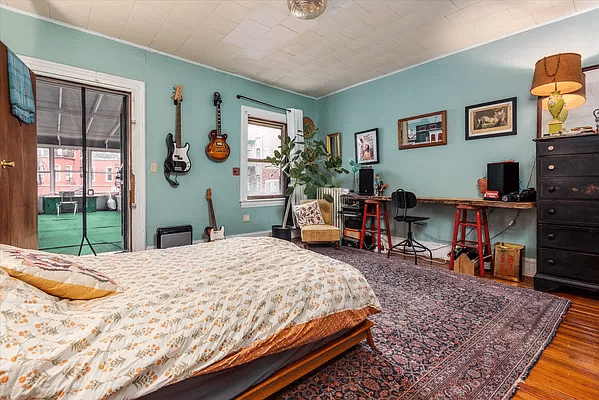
(305, 162)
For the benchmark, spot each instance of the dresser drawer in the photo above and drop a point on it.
(579, 188)
(568, 238)
(569, 165)
(568, 264)
(568, 145)
(569, 212)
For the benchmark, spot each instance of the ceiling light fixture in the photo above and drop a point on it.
(306, 9)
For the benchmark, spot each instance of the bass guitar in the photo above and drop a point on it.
(212, 232)
(177, 157)
(217, 149)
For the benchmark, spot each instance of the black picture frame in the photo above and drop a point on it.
(367, 146)
(492, 119)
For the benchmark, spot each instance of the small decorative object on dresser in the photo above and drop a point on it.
(568, 212)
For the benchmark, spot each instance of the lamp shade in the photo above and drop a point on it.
(574, 99)
(562, 72)
(306, 9)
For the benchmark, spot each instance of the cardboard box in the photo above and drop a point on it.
(508, 261)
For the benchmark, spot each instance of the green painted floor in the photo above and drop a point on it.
(63, 233)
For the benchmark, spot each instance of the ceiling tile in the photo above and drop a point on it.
(556, 11)
(219, 24)
(404, 8)
(231, 11)
(268, 16)
(360, 44)
(71, 12)
(280, 34)
(298, 25)
(379, 18)
(437, 10)
(32, 6)
(252, 28)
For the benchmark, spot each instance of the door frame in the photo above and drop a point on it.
(137, 111)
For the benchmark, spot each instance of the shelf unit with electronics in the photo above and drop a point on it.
(568, 212)
(352, 213)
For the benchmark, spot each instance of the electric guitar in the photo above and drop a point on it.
(212, 232)
(177, 158)
(217, 149)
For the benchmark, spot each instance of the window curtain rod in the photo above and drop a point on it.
(261, 102)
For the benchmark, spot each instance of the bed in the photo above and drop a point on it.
(180, 319)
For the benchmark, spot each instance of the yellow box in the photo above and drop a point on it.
(508, 261)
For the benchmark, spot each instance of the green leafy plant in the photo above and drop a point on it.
(306, 162)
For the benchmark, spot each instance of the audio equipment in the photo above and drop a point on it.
(366, 185)
(502, 178)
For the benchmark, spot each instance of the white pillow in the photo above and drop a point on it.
(308, 214)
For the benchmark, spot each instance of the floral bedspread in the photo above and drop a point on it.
(181, 311)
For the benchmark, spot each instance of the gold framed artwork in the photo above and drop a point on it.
(423, 130)
(491, 119)
(334, 144)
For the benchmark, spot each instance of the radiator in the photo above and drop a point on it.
(336, 193)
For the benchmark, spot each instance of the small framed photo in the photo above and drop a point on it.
(367, 146)
(422, 130)
(492, 119)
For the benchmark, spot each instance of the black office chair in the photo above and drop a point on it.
(403, 200)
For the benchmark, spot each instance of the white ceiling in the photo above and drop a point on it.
(352, 42)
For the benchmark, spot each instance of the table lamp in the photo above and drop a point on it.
(555, 76)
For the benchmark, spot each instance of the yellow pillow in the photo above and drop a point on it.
(55, 275)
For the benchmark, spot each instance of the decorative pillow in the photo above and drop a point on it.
(308, 214)
(55, 275)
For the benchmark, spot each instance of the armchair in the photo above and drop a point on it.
(321, 233)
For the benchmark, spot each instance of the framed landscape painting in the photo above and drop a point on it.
(423, 130)
(492, 119)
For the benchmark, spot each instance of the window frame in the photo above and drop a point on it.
(246, 114)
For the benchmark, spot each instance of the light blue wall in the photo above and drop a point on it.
(494, 71)
(185, 204)
(491, 72)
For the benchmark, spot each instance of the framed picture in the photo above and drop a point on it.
(367, 146)
(423, 130)
(585, 118)
(334, 144)
(492, 119)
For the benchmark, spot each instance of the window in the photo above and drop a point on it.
(57, 173)
(261, 183)
(108, 174)
(69, 173)
(93, 174)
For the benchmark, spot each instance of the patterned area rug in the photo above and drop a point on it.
(442, 335)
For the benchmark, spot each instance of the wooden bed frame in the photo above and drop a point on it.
(301, 367)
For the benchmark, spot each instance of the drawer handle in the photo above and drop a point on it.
(551, 167)
(551, 261)
(551, 189)
(550, 148)
(551, 236)
(551, 211)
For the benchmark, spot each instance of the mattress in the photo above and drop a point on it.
(181, 312)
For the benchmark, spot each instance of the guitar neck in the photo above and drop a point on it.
(218, 119)
(212, 216)
(178, 126)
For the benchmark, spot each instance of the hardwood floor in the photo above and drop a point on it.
(569, 367)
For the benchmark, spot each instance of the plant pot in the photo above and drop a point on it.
(281, 233)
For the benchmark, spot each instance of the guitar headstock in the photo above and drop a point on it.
(217, 99)
(178, 95)
(209, 194)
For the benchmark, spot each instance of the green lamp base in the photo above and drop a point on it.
(555, 128)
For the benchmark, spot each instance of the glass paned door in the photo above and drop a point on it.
(80, 164)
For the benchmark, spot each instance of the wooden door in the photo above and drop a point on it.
(18, 184)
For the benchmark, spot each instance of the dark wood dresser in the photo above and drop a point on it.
(568, 212)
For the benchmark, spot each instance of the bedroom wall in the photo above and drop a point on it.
(167, 206)
(490, 72)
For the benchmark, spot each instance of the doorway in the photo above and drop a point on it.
(82, 159)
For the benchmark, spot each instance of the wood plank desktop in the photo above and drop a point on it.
(521, 205)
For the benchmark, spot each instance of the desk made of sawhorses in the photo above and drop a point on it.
(479, 207)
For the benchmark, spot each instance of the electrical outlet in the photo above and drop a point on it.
(246, 218)
(154, 167)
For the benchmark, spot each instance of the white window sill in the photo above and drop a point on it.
(262, 203)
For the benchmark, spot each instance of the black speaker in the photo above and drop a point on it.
(366, 181)
(174, 236)
(503, 177)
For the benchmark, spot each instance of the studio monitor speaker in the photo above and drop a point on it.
(366, 181)
(503, 177)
